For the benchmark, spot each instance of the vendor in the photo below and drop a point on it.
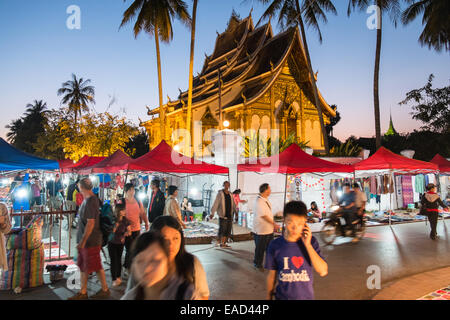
(237, 201)
(314, 213)
(186, 209)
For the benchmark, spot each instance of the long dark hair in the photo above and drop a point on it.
(140, 244)
(184, 261)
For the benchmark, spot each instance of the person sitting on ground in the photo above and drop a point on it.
(150, 268)
(172, 207)
(314, 214)
(292, 258)
(184, 264)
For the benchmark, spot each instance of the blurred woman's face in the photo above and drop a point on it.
(150, 266)
(175, 194)
(130, 193)
(172, 238)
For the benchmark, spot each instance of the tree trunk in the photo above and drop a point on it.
(313, 80)
(376, 97)
(162, 113)
(191, 76)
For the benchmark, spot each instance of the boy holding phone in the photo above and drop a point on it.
(291, 258)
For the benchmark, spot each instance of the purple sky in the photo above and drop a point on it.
(38, 53)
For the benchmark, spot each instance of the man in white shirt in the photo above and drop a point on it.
(263, 225)
(360, 199)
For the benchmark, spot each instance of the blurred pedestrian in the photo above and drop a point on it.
(89, 243)
(151, 270)
(5, 228)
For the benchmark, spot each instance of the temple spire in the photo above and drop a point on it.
(391, 131)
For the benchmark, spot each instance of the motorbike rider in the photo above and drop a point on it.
(347, 204)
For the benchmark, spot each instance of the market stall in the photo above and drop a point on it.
(290, 169)
(444, 176)
(398, 176)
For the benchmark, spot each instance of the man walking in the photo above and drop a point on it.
(157, 202)
(263, 225)
(89, 239)
(225, 207)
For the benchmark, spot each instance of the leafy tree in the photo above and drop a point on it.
(430, 106)
(348, 149)
(99, 134)
(258, 146)
(138, 145)
(24, 132)
(436, 13)
(77, 94)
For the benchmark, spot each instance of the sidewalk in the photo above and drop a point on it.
(422, 285)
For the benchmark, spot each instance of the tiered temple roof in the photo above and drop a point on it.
(250, 60)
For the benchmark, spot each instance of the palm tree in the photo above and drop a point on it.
(290, 14)
(392, 7)
(436, 13)
(155, 18)
(191, 72)
(15, 129)
(77, 93)
(36, 112)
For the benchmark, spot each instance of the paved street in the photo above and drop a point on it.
(395, 250)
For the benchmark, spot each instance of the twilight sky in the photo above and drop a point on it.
(38, 53)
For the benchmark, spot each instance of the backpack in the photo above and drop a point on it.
(106, 223)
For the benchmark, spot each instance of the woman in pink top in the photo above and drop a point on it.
(135, 213)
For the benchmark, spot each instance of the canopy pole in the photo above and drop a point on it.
(126, 180)
(390, 203)
(285, 190)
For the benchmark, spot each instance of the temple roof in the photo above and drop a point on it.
(249, 60)
(391, 131)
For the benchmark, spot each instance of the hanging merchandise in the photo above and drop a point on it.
(104, 180)
(391, 184)
(120, 182)
(432, 178)
(399, 191)
(419, 184)
(312, 184)
(408, 192)
(379, 185)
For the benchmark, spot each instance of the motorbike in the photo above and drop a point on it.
(337, 225)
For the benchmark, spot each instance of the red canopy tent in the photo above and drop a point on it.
(293, 160)
(443, 164)
(386, 160)
(86, 161)
(114, 163)
(65, 165)
(166, 160)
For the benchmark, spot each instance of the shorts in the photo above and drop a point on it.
(225, 226)
(89, 260)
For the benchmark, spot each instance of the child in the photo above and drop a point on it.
(291, 259)
(122, 229)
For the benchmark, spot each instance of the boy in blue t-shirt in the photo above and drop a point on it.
(291, 258)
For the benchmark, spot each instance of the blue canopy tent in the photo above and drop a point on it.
(13, 159)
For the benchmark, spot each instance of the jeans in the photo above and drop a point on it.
(115, 254)
(128, 243)
(433, 218)
(261, 244)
